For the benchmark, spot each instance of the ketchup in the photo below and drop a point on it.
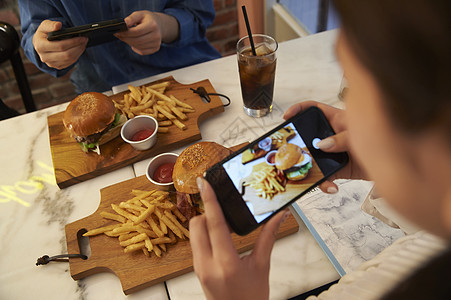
(271, 158)
(142, 135)
(163, 174)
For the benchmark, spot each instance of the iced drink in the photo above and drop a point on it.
(257, 74)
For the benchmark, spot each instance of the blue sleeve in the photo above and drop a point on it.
(32, 13)
(194, 16)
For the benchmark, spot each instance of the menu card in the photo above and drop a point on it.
(347, 235)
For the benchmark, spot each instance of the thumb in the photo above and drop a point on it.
(49, 26)
(134, 19)
(335, 143)
(267, 237)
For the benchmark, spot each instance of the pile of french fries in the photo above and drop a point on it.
(266, 182)
(152, 100)
(148, 222)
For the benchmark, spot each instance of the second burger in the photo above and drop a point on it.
(190, 164)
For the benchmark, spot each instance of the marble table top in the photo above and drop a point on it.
(34, 211)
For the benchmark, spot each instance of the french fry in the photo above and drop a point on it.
(173, 227)
(164, 112)
(179, 124)
(161, 240)
(147, 222)
(163, 227)
(100, 230)
(126, 236)
(157, 86)
(144, 215)
(131, 206)
(157, 250)
(123, 213)
(165, 123)
(155, 227)
(176, 223)
(148, 244)
(177, 112)
(265, 183)
(152, 100)
(134, 247)
(178, 214)
(134, 240)
(160, 95)
(111, 216)
(125, 228)
(180, 103)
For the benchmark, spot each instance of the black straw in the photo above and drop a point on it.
(249, 30)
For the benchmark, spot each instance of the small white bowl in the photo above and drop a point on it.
(136, 124)
(158, 161)
(268, 155)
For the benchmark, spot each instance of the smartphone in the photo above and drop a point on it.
(273, 171)
(97, 33)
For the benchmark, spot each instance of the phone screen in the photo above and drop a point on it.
(273, 171)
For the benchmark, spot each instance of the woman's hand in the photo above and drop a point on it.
(57, 54)
(221, 271)
(336, 143)
(147, 30)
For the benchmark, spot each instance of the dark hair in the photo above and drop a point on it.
(406, 45)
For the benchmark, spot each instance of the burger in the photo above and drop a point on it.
(190, 164)
(293, 162)
(91, 119)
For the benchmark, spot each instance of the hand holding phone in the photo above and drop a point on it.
(272, 172)
(210, 239)
(336, 143)
(97, 33)
(60, 54)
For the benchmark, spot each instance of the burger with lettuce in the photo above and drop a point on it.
(293, 162)
(92, 120)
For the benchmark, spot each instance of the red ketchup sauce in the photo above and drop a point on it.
(163, 174)
(272, 158)
(142, 135)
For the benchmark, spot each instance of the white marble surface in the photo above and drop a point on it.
(33, 215)
(34, 211)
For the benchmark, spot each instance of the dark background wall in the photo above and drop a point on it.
(48, 90)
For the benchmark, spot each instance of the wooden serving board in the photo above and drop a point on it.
(135, 270)
(72, 165)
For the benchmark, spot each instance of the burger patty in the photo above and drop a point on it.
(186, 204)
(93, 138)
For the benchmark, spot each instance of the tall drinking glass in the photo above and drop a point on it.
(257, 73)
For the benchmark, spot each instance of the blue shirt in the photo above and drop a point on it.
(103, 66)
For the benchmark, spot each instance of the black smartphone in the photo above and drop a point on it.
(97, 33)
(273, 171)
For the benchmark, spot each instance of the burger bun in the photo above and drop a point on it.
(89, 113)
(193, 162)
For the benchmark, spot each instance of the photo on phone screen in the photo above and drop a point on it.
(274, 170)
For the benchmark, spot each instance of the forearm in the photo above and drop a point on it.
(193, 20)
(169, 27)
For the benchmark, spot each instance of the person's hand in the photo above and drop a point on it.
(57, 54)
(221, 271)
(147, 30)
(336, 143)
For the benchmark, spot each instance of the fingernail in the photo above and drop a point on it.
(332, 190)
(200, 183)
(326, 143)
